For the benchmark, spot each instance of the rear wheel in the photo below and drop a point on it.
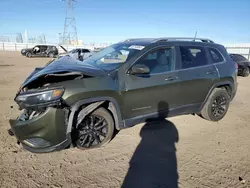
(95, 130)
(51, 55)
(216, 106)
(245, 72)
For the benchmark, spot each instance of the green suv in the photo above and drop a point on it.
(82, 103)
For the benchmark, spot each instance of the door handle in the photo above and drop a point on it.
(171, 78)
(211, 72)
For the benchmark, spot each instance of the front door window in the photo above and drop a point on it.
(158, 61)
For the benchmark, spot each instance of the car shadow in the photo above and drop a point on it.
(154, 162)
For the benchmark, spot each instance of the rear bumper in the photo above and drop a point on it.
(45, 133)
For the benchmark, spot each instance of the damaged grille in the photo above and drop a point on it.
(31, 114)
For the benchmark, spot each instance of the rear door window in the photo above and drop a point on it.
(43, 48)
(193, 56)
(215, 55)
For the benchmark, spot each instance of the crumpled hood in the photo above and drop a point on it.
(64, 64)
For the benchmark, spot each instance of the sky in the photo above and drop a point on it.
(109, 21)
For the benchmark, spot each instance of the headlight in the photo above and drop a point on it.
(40, 97)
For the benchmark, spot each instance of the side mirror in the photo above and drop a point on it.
(140, 69)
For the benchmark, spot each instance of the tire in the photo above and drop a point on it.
(28, 54)
(51, 55)
(84, 134)
(245, 72)
(218, 102)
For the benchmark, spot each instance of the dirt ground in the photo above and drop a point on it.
(186, 150)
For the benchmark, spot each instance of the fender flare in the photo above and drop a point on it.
(219, 84)
(95, 102)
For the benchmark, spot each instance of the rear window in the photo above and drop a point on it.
(215, 55)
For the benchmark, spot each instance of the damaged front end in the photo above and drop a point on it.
(41, 130)
(37, 127)
(42, 125)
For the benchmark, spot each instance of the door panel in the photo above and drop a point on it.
(197, 75)
(150, 93)
(43, 50)
(196, 83)
(144, 94)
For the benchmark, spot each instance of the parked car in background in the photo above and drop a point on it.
(243, 64)
(83, 103)
(77, 53)
(97, 49)
(40, 51)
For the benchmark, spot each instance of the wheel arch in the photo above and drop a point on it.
(92, 103)
(228, 85)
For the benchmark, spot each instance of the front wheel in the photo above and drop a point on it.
(216, 106)
(95, 130)
(28, 54)
(245, 72)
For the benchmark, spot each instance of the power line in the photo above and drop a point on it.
(70, 32)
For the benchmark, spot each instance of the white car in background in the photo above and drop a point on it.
(77, 53)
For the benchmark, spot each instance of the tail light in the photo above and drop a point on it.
(236, 65)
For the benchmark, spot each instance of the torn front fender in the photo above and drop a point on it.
(87, 110)
(82, 114)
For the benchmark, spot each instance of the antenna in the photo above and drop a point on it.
(70, 33)
(195, 35)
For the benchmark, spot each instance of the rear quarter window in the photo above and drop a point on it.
(215, 55)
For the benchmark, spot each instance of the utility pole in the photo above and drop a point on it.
(70, 33)
(60, 38)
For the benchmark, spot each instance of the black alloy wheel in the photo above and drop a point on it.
(95, 130)
(216, 105)
(219, 106)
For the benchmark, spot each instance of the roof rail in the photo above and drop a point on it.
(132, 39)
(184, 38)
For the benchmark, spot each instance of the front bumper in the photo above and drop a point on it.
(44, 133)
